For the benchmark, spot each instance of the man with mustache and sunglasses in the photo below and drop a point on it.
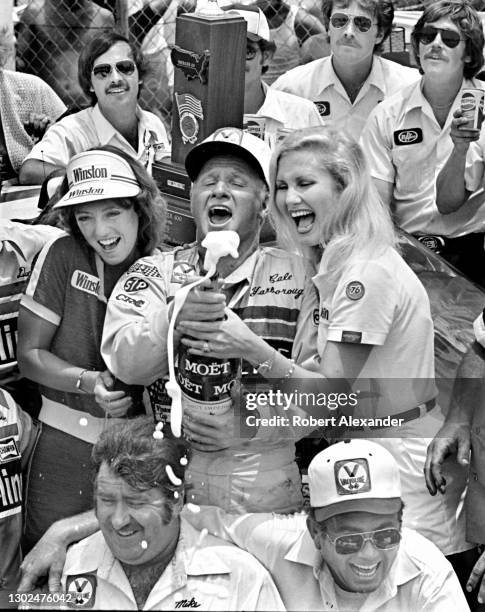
(346, 86)
(407, 137)
(349, 553)
(110, 72)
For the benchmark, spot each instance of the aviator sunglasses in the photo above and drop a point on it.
(340, 20)
(428, 33)
(124, 67)
(353, 542)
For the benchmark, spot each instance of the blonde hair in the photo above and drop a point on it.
(359, 226)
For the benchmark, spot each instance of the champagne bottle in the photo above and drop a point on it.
(206, 381)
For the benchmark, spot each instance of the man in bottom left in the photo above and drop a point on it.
(145, 555)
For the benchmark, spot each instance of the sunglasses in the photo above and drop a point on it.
(251, 52)
(124, 67)
(353, 542)
(340, 20)
(428, 33)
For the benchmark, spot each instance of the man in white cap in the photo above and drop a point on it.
(267, 110)
(349, 553)
(264, 289)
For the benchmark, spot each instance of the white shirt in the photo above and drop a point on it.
(211, 573)
(412, 167)
(90, 128)
(283, 110)
(318, 82)
(419, 579)
(380, 302)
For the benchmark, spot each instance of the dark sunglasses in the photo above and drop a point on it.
(340, 20)
(428, 33)
(251, 52)
(353, 542)
(124, 67)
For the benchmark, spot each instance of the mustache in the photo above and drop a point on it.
(434, 53)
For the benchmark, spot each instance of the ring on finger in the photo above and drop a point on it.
(206, 347)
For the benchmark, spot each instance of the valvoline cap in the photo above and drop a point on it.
(357, 475)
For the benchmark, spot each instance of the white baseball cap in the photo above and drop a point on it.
(355, 475)
(230, 141)
(257, 24)
(98, 175)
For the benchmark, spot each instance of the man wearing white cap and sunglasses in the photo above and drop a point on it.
(349, 552)
(277, 109)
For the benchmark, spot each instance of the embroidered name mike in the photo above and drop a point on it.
(85, 174)
(85, 282)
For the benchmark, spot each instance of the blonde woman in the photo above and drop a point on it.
(374, 316)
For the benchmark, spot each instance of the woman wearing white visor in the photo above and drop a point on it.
(113, 213)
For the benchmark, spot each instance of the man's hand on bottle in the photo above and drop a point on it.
(202, 304)
(211, 432)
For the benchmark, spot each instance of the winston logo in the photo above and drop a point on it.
(85, 282)
(85, 174)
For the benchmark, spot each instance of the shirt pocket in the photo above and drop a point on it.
(415, 167)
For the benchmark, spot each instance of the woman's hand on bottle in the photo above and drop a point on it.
(115, 403)
(227, 338)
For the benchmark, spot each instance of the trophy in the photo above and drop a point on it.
(209, 58)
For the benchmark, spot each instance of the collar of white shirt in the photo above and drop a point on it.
(106, 131)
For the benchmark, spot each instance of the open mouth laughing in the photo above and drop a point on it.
(303, 219)
(365, 571)
(109, 244)
(219, 215)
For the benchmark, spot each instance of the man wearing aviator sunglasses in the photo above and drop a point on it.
(346, 86)
(410, 137)
(350, 551)
(110, 72)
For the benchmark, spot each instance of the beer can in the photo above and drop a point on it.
(472, 107)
